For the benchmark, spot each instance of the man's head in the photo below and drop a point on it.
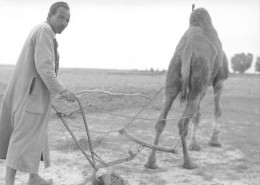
(59, 16)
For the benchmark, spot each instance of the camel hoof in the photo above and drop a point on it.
(190, 165)
(151, 165)
(194, 147)
(215, 144)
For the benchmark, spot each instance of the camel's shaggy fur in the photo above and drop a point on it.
(197, 63)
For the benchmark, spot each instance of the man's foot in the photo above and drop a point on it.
(37, 180)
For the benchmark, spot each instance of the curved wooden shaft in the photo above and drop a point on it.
(87, 131)
(144, 143)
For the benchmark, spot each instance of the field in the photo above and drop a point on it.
(237, 162)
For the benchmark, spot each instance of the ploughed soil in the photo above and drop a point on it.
(237, 162)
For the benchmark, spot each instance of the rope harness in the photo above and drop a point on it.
(93, 157)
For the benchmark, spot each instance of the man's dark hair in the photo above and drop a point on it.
(55, 6)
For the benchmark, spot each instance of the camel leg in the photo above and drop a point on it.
(195, 123)
(160, 124)
(190, 110)
(214, 141)
(193, 142)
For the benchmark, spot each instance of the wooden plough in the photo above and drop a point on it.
(93, 157)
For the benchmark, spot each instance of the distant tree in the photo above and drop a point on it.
(257, 64)
(164, 71)
(241, 62)
(152, 70)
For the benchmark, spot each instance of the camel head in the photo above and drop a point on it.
(200, 17)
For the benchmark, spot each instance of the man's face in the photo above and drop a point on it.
(60, 20)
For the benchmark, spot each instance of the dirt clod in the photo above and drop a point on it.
(112, 179)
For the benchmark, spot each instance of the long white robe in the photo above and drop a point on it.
(27, 102)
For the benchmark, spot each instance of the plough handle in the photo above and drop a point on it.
(76, 141)
(87, 131)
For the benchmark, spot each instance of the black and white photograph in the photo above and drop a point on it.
(130, 92)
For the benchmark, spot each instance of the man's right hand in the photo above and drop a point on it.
(69, 95)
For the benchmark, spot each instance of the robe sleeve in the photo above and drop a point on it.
(45, 61)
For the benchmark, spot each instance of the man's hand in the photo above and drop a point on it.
(69, 95)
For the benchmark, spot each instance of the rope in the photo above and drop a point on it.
(110, 93)
(130, 117)
(141, 119)
(119, 115)
(186, 128)
(94, 156)
(131, 121)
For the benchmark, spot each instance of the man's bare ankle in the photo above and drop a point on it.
(10, 176)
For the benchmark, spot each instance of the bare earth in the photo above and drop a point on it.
(217, 166)
(237, 162)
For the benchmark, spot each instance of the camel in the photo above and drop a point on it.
(198, 62)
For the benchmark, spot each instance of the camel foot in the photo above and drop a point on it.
(189, 165)
(194, 147)
(151, 165)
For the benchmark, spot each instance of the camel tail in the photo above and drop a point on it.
(185, 72)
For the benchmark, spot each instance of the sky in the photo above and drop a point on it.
(128, 34)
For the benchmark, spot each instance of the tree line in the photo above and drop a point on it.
(242, 62)
(239, 63)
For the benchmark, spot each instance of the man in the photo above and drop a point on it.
(27, 102)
